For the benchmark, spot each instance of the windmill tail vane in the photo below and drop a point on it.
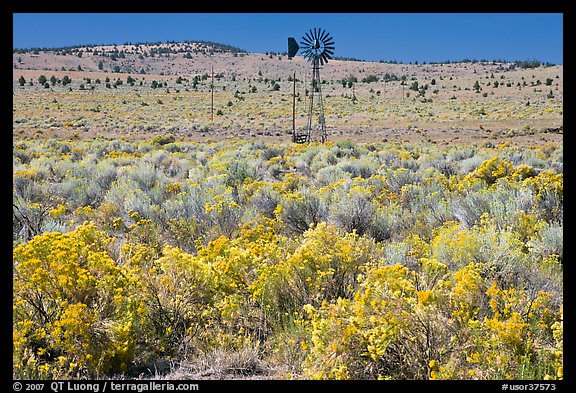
(317, 48)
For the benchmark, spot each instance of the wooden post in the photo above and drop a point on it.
(294, 110)
(305, 93)
(212, 93)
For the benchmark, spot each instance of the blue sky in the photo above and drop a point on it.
(405, 37)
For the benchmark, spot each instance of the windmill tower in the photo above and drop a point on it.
(318, 48)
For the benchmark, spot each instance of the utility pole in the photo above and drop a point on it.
(294, 109)
(212, 93)
(305, 92)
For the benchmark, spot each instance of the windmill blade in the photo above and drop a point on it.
(306, 39)
(324, 35)
(309, 37)
(328, 43)
(325, 57)
(328, 51)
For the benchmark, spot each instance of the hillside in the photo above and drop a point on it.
(253, 93)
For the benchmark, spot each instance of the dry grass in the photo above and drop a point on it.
(449, 112)
(220, 364)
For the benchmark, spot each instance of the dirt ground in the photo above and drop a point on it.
(253, 95)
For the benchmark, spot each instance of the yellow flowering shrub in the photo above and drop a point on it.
(558, 349)
(546, 181)
(341, 260)
(488, 172)
(324, 266)
(359, 337)
(177, 301)
(466, 330)
(523, 172)
(77, 303)
(454, 245)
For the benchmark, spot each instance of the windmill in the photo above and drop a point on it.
(317, 48)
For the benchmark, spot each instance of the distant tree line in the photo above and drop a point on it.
(216, 47)
(224, 48)
(515, 63)
(347, 58)
(43, 81)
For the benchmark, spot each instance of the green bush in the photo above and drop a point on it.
(162, 140)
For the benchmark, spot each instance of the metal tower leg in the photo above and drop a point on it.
(321, 116)
(315, 83)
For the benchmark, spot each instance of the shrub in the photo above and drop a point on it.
(300, 210)
(178, 300)
(126, 194)
(265, 200)
(370, 78)
(161, 140)
(324, 267)
(469, 207)
(354, 211)
(492, 169)
(397, 178)
(342, 260)
(361, 338)
(547, 241)
(75, 310)
(454, 327)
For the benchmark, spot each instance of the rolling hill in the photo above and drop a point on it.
(446, 102)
